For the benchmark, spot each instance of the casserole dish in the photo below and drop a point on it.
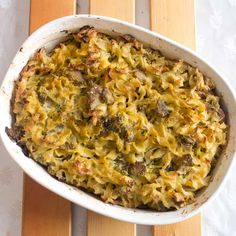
(56, 31)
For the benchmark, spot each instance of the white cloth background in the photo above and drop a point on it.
(216, 41)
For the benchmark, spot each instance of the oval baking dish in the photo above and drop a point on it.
(57, 31)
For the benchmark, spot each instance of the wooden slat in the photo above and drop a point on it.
(99, 225)
(176, 20)
(43, 11)
(45, 213)
(121, 9)
(188, 227)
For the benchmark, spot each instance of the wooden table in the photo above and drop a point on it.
(46, 214)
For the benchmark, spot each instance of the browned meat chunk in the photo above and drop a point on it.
(139, 168)
(107, 96)
(15, 133)
(94, 96)
(187, 141)
(186, 160)
(115, 124)
(140, 75)
(178, 162)
(162, 108)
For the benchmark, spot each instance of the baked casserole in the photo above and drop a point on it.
(116, 118)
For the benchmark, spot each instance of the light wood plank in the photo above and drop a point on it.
(121, 9)
(45, 213)
(188, 227)
(176, 20)
(99, 225)
(43, 11)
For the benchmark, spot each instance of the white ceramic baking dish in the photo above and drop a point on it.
(48, 36)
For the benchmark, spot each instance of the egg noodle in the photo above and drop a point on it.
(118, 119)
